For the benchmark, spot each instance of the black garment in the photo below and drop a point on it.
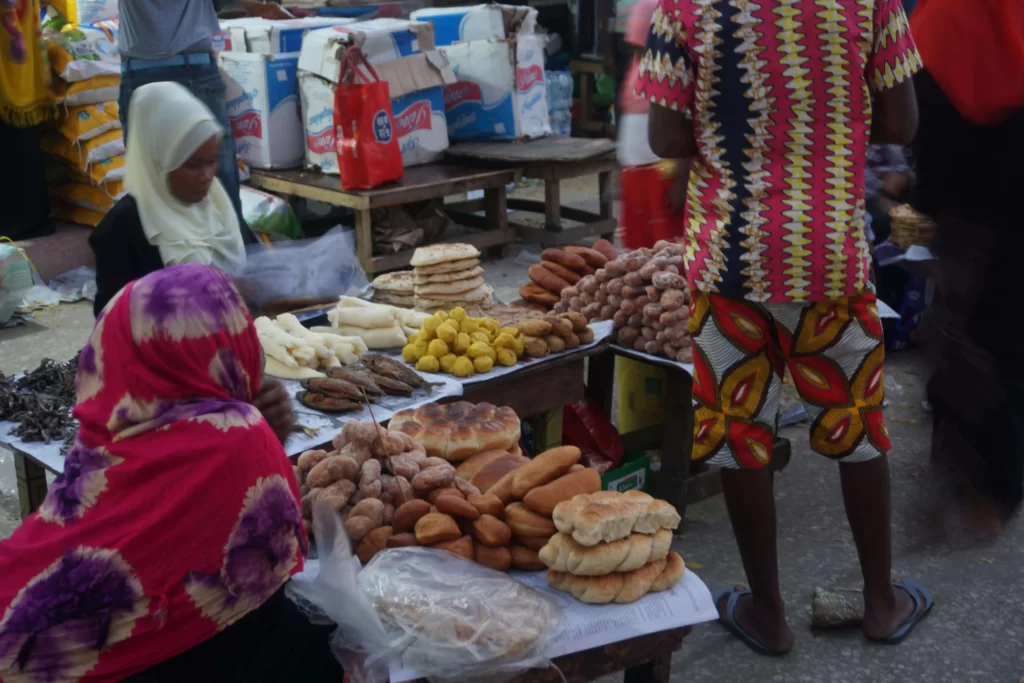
(123, 253)
(23, 196)
(272, 644)
(969, 180)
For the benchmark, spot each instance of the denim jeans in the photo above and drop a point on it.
(205, 82)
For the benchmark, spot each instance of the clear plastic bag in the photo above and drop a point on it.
(327, 267)
(439, 614)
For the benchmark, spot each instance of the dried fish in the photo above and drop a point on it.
(335, 388)
(391, 386)
(356, 377)
(389, 367)
(41, 402)
(326, 404)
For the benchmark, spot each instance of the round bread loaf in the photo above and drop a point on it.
(459, 430)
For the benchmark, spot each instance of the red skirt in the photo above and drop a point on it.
(645, 218)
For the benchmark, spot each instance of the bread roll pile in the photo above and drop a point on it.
(562, 268)
(645, 293)
(368, 475)
(456, 431)
(612, 547)
(448, 275)
(527, 491)
(554, 333)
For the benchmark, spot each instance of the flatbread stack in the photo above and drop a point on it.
(395, 289)
(448, 275)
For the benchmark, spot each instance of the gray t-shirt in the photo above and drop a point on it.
(157, 29)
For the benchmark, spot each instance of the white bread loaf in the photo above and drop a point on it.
(563, 554)
(607, 516)
(621, 587)
(459, 430)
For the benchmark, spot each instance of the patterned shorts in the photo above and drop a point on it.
(835, 355)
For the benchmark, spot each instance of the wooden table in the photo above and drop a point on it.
(646, 659)
(419, 183)
(553, 160)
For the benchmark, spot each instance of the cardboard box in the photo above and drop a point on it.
(417, 104)
(263, 106)
(630, 475)
(381, 40)
(479, 22)
(499, 93)
(266, 37)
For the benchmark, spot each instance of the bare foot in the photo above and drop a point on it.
(767, 624)
(884, 614)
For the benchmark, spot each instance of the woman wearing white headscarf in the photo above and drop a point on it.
(176, 210)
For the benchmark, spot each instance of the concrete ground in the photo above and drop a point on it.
(974, 634)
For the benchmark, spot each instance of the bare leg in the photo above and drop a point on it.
(867, 496)
(751, 501)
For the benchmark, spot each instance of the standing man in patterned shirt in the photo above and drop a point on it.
(785, 96)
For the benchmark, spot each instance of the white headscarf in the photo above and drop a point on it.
(167, 125)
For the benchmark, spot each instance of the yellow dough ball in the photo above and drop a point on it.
(480, 349)
(428, 364)
(469, 326)
(463, 367)
(437, 348)
(447, 333)
(505, 341)
(510, 331)
(430, 326)
(491, 325)
(458, 314)
(441, 316)
(519, 346)
(462, 343)
(507, 357)
(481, 336)
(483, 363)
(409, 353)
(448, 362)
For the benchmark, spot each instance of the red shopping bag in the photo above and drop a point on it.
(364, 127)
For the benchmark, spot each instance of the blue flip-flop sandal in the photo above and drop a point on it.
(730, 624)
(917, 593)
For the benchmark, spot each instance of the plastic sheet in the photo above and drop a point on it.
(324, 267)
(444, 616)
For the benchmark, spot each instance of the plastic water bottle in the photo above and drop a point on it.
(559, 89)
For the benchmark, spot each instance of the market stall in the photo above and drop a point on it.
(553, 160)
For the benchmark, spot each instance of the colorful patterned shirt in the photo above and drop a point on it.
(780, 93)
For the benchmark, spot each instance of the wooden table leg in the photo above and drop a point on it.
(601, 380)
(605, 200)
(655, 671)
(552, 205)
(496, 216)
(677, 441)
(364, 239)
(31, 483)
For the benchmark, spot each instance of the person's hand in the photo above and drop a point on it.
(895, 184)
(276, 406)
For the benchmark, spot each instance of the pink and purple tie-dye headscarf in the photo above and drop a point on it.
(176, 512)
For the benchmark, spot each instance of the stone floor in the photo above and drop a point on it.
(974, 634)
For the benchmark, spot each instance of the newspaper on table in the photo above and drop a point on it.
(46, 454)
(324, 427)
(588, 626)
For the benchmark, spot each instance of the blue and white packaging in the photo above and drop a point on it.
(460, 24)
(416, 84)
(263, 106)
(499, 93)
(267, 37)
(381, 40)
